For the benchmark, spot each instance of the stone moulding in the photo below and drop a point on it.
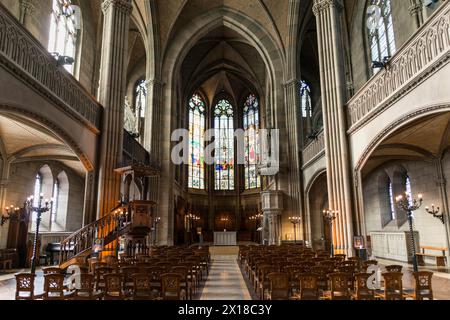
(28, 60)
(420, 57)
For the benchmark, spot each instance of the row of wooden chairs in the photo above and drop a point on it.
(303, 274)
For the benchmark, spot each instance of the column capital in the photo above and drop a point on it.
(322, 5)
(28, 5)
(124, 6)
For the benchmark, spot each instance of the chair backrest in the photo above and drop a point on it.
(279, 285)
(423, 285)
(394, 268)
(309, 286)
(113, 286)
(393, 285)
(111, 260)
(53, 286)
(25, 286)
(182, 270)
(51, 270)
(171, 289)
(85, 291)
(362, 290)
(340, 289)
(142, 285)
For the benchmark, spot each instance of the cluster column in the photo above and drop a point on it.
(328, 19)
(112, 86)
(272, 207)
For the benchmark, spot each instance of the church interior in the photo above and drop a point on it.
(224, 149)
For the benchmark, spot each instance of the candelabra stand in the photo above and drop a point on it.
(409, 205)
(295, 221)
(330, 215)
(39, 208)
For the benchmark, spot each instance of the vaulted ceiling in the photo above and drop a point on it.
(424, 140)
(23, 140)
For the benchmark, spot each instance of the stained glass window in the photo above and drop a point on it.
(224, 145)
(63, 30)
(196, 142)
(251, 127)
(141, 99)
(305, 99)
(36, 193)
(55, 197)
(408, 189)
(382, 38)
(391, 200)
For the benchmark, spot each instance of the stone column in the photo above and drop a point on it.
(27, 8)
(416, 11)
(112, 86)
(272, 207)
(442, 185)
(332, 75)
(295, 135)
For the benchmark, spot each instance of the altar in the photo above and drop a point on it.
(227, 238)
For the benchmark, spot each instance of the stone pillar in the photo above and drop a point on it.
(112, 86)
(89, 198)
(27, 8)
(295, 135)
(272, 207)
(328, 17)
(416, 11)
(442, 185)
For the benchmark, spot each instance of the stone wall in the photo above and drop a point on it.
(70, 205)
(376, 200)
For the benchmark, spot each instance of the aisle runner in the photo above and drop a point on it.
(225, 281)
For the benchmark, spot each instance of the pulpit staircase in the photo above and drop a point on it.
(80, 244)
(133, 218)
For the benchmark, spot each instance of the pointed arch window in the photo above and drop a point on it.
(196, 142)
(305, 99)
(408, 189)
(63, 30)
(36, 193)
(391, 200)
(251, 127)
(382, 38)
(141, 98)
(224, 145)
(55, 198)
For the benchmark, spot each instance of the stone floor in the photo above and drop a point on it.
(225, 280)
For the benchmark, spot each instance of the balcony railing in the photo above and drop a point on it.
(27, 58)
(314, 149)
(133, 151)
(428, 49)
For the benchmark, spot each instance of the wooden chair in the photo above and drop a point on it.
(339, 282)
(394, 268)
(110, 260)
(341, 257)
(262, 281)
(322, 276)
(113, 287)
(185, 282)
(309, 286)
(171, 289)
(86, 289)
(99, 277)
(53, 287)
(279, 286)
(423, 285)
(94, 265)
(142, 289)
(25, 286)
(369, 263)
(393, 286)
(362, 290)
(155, 278)
(127, 273)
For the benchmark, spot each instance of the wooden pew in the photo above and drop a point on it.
(440, 258)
